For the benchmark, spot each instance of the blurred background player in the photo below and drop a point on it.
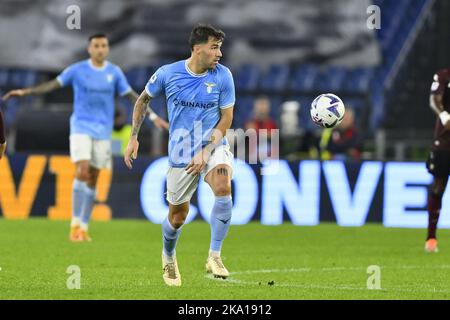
(121, 132)
(200, 94)
(2, 135)
(263, 123)
(343, 142)
(95, 83)
(438, 163)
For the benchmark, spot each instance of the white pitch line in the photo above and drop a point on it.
(325, 287)
(338, 269)
(271, 271)
(384, 267)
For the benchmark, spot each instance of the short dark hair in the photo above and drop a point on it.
(97, 35)
(202, 32)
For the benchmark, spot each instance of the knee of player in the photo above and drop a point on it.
(83, 175)
(92, 180)
(437, 189)
(178, 220)
(91, 184)
(222, 189)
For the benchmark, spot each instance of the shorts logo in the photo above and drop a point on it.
(209, 86)
(109, 78)
(171, 196)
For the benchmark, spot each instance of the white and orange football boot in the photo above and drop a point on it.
(431, 246)
(74, 232)
(83, 235)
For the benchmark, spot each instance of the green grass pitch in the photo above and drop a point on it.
(279, 262)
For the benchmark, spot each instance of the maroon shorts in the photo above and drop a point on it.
(438, 163)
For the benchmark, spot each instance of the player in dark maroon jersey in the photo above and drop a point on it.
(2, 136)
(438, 163)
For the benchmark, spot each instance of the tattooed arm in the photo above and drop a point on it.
(157, 121)
(40, 89)
(139, 114)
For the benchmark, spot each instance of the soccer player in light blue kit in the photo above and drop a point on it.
(95, 83)
(200, 100)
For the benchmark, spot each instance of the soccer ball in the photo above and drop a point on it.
(327, 110)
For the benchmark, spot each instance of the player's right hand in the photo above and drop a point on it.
(131, 152)
(15, 93)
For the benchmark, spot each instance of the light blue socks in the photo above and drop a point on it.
(88, 204)
(77, 201)
(170, 237)
(220, 222)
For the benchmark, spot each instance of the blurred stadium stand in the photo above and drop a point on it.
(410, 42)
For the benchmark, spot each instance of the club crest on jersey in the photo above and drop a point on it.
(209, 86)
(109, 77)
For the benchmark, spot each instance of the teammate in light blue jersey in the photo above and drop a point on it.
(200, 100)
(94, 91)
(95, 82)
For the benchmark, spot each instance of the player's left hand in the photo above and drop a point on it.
(161, 123)
(198, 162)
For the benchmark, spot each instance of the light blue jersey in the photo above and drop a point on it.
(94, 91)
(193, 103)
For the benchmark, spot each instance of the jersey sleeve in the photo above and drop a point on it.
(440, 82)
(122, 85)
(65, 78)
(156, 84)
(227, 94)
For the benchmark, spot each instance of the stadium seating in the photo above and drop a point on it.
(276, 78)
(304, 78)
(362, 86)
(247, 77)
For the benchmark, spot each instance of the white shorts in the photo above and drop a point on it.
(84, 147)
(181, 185)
